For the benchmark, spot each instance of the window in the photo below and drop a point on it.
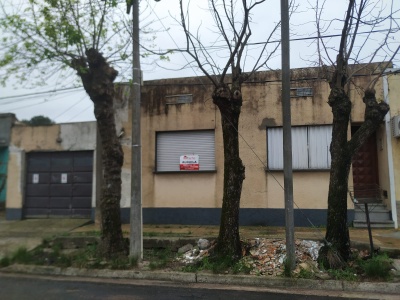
(173, 145)
(310, 147)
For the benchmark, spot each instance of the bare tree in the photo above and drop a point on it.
(362, 20)
(85, 37)
(232, 21)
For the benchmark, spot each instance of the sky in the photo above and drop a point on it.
(60, 100)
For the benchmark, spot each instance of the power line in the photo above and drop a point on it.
(39, 93)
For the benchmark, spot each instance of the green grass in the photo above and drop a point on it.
(377, 266)
(159, 258)
(220, 265)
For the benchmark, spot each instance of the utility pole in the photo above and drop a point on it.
(136, 227)
(287, 137)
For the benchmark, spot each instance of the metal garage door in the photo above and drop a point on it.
(59, 184)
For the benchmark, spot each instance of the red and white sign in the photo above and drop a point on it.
(189, 162)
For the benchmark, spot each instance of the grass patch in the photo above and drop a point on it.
(159, 257)
(220, 265)
(347, 274)
(377, 266)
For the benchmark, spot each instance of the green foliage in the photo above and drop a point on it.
(5, 262)
(306, 274)
(38, 121)
(159, 257)
(377, 266)
(22, 256)
(347, 274)
(287, 269)
(44, 36)
(220, 265)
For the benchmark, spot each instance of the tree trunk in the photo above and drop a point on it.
(337, 232)
(342, 151)
(229, 103)
(97, 78)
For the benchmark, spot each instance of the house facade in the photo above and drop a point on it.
(182, 151)
(51, 171)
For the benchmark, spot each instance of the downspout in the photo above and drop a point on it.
(390, 152)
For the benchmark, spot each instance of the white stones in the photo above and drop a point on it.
(203, 244)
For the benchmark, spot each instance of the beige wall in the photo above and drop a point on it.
(58, 137)
(394, 101)
(261, 109)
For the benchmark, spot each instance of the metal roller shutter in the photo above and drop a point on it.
(59, 184)
(171, 145)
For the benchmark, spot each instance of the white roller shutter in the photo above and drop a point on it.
(171, 145)
(275, 148)
(319, 141)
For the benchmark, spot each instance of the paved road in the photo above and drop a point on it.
(22, 287)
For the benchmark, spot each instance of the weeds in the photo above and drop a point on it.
(218, 265)
(377, 266)
(159, 258)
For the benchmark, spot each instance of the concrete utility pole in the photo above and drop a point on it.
(136, 227)
(287, 136)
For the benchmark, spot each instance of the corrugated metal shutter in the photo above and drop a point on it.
(171, 145)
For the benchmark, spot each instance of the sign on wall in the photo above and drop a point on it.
(64, 178)
(189, 162)
(35, 178)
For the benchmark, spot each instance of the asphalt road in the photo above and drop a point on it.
(23, 287)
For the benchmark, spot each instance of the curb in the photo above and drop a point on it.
(236, 280)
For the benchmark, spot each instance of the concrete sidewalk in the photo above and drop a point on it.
(30, 233)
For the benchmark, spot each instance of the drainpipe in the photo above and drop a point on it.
(390, 151)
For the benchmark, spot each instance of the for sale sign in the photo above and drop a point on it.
(189, 162)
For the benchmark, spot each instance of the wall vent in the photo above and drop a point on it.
(301, 92)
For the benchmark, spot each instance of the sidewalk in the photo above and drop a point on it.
(29, 233)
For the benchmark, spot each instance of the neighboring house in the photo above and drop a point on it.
(6, 122)
(182, 152)
(51, 171)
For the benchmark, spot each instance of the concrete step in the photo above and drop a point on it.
(379, 215)
(374, 216)
(381, 224)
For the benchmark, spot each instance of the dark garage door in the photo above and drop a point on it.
(59, 184)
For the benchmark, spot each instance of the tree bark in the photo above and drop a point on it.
(97, 78)
(337, 232)
(342, 151)
(229, 102)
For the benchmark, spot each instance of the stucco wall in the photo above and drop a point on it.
(394, 99)
(58, 137)
(261, 109)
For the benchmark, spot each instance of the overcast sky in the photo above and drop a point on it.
(73, 105)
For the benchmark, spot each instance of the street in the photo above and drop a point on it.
(13, 286)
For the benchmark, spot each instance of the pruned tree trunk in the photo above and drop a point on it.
(342, 150)
(337, 232)
(97, 78)
(229, 102)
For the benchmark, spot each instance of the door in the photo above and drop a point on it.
(59, 184)
(365, 169)
(3, 174)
